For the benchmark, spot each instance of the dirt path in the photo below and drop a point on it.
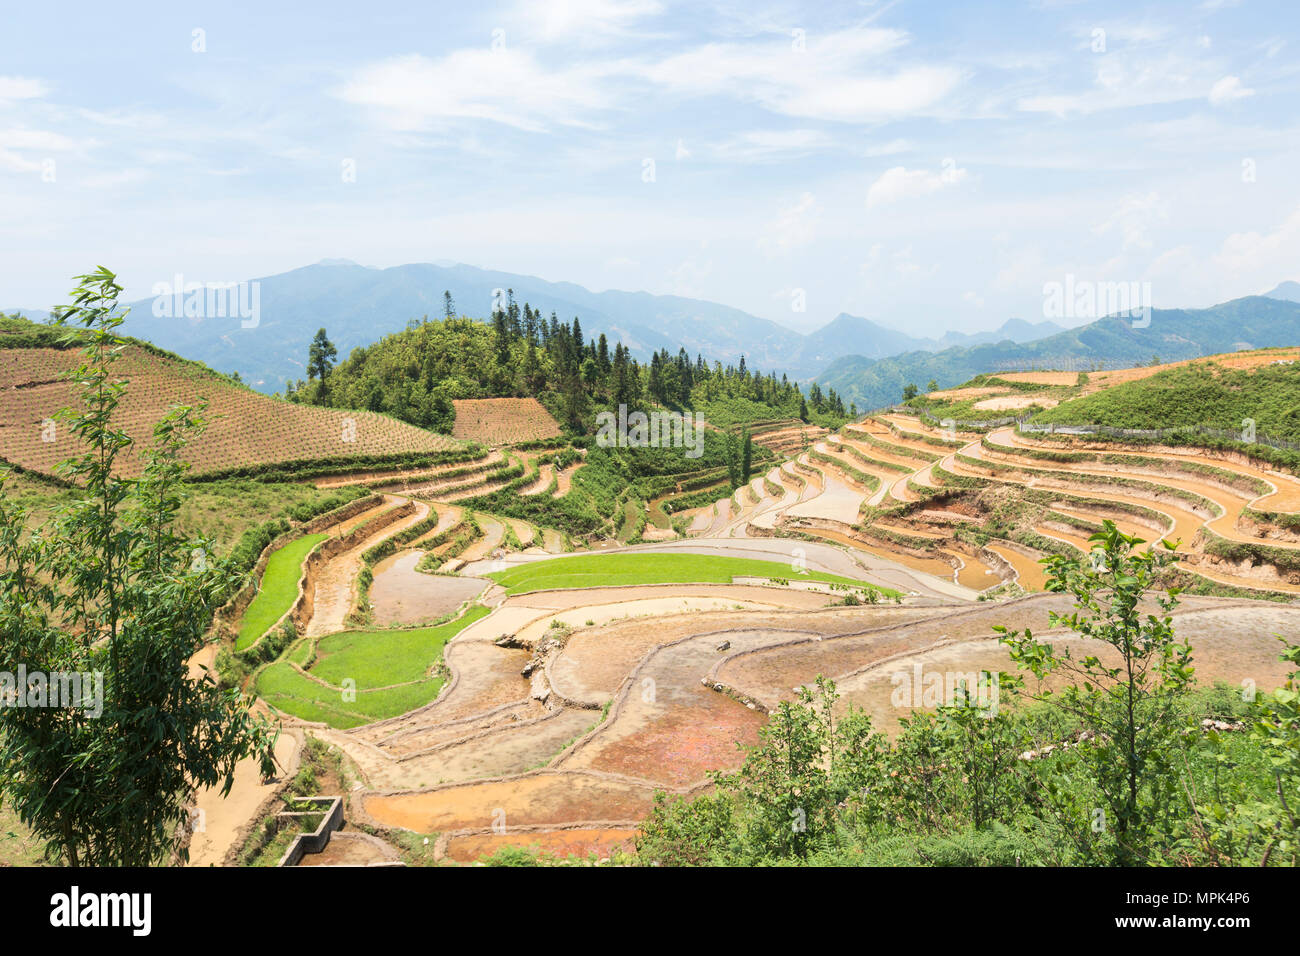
(544, 476)
(220, 823)
(493, 534)
(564, 479)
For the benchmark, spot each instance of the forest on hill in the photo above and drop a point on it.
(416, 374)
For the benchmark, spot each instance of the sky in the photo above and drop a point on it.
(932, 166)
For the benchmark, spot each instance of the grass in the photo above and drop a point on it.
(1200, 394)
(623, 570)
(278, 589)
(226, 509)
(18, 845)
(288, 690)
(391, 670)
(381, 658)
(221, 510)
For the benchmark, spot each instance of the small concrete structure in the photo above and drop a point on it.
(318, 839)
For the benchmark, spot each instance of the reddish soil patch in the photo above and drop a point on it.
(682, 744)
(560, 843)
(351, 849)
(550, 798)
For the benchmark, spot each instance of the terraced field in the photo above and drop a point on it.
(559, 693)
(34, 391)
(503, 421)
(565, 710)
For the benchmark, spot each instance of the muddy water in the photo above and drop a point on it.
(1030, 574)
(934, 566)
(401, 596)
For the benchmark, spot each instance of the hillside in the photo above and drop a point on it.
(1112, 342)
(246, 430)
(1201, 393)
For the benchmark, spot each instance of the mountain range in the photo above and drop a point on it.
(866, 362)
(1168, 335)
(357, 305)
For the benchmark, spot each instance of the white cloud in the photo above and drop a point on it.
(888, 149)
(1133, 77)
(794, 226)
(835, 77)
(1275, 252)
(763, 145)
(37, 139)
(902, 183)
(506, 86)
(21, 88)
(838, 76)
(16, 163)
(1133, 219)
(1228, 89)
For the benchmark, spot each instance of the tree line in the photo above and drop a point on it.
(417, 373)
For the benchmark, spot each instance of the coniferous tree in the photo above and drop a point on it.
(320, 359)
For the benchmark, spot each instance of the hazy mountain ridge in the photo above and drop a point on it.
(862, 359)
(1172, 335)
(359, 304)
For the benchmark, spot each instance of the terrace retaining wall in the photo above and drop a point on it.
(233, 610)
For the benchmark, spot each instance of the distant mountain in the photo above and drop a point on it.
(851, 333)
(358, 305)
(1290, 291)
(1017, 330)
(874, 341)
(1172, 335)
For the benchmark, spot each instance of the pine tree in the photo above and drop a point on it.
(320, 359)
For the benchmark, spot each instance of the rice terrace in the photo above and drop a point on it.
(473, 655)
(429, 565)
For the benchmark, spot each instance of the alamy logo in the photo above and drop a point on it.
(74, 909)
(211, 300)
(656, 430)
(1082, 299)
(70, 689)
(921, 688)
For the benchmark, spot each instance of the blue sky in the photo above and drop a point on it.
(928, 165)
